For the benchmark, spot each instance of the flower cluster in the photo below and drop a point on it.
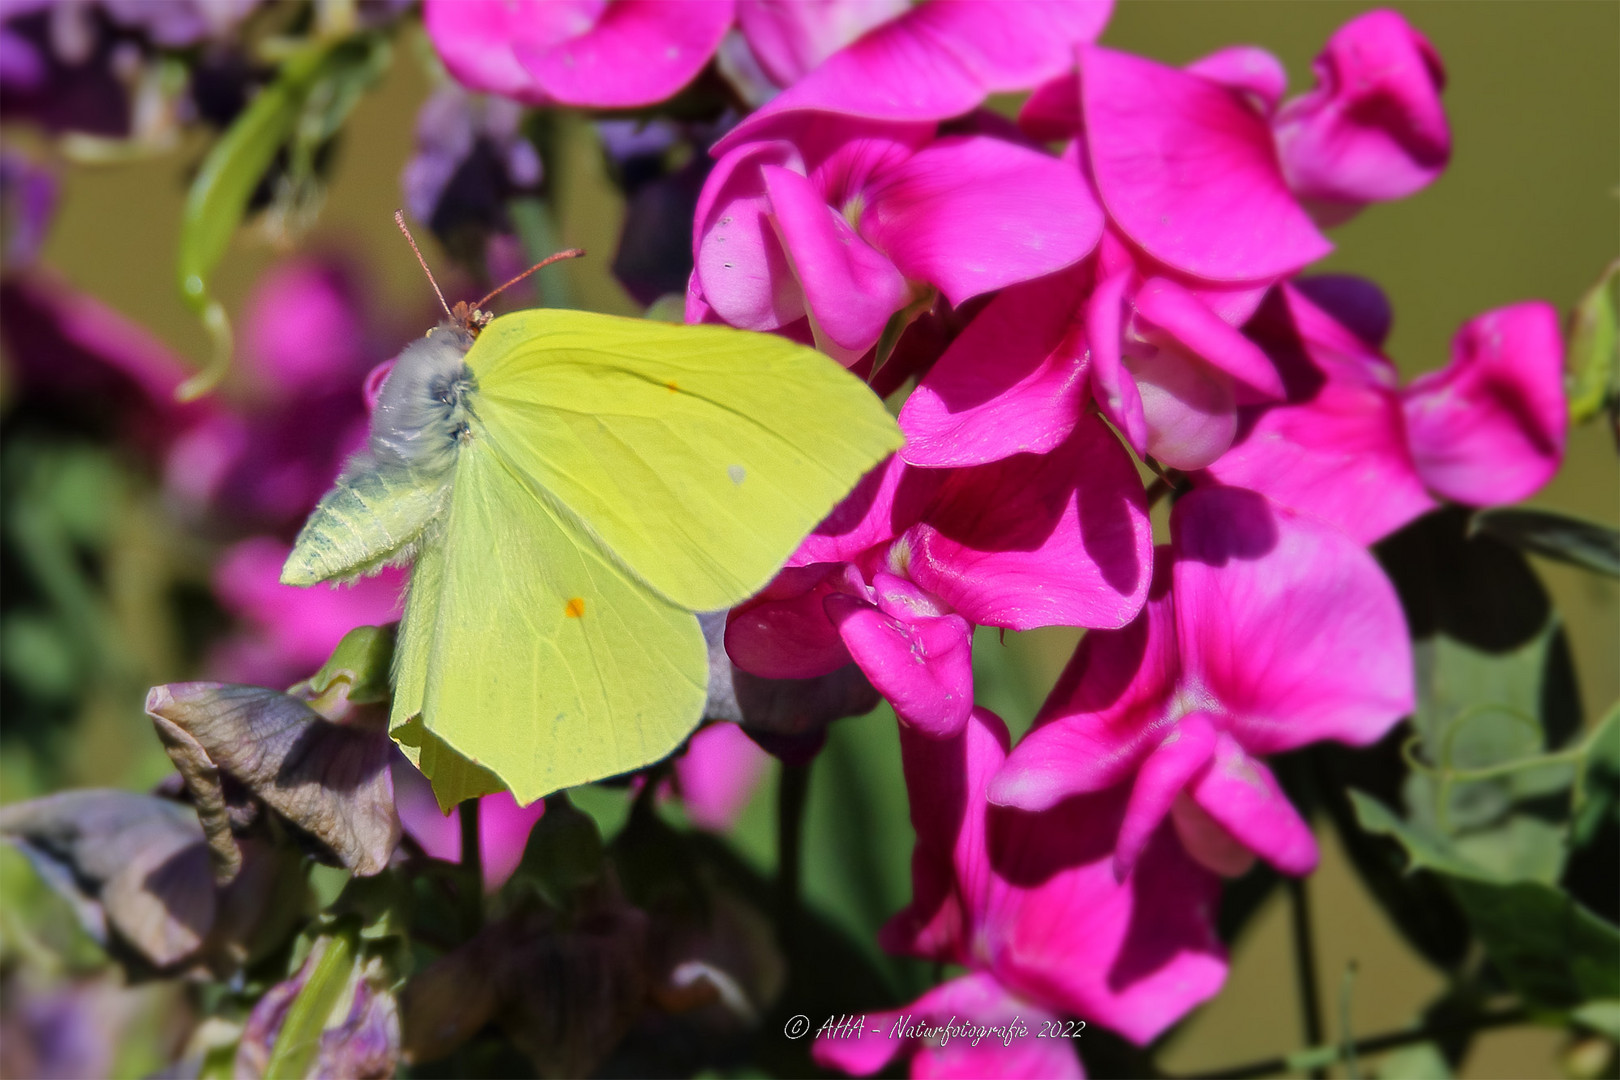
(1132, 293)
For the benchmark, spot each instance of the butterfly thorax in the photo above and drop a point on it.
(424, 411)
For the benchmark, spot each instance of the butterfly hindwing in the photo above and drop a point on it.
(536, 657)
(698, 455)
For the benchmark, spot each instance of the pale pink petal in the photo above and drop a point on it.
(789, 38)
(1374, 128)
(1338, 450)
(941, 59)
(1242, 795)
(1188, 172)
(743, 274)
(1289, 623)
(1258, 74)
(886, 502)
(850, 289)
(634, 52)
(923, 666)
(1052, 111)
(1056, 539)
(1207, 841)
(1061, 930)
(972, 214)
(784, 632)
(1489, 429)
(1013, 382)
(1176, 315)
(1179, 757)
(1110, 707)
(1111, 384)
(1189, 408)
(718, 774)
(979, 999)
(474, 39)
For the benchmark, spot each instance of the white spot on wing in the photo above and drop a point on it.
(737, 473)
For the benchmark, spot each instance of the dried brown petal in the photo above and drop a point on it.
(330, 780)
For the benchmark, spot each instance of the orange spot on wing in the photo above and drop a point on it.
(672, 387)
(575, 608)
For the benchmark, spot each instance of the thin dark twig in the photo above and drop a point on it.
(472, 870)
(1305, 966)
(791, 795)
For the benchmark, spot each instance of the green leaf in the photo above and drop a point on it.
(312, 1010)
(1547, 946)
(357, 669)
(1597, 791)
(1594, 348)
(1581, 543)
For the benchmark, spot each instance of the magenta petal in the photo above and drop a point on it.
(1374, 128)
(738, 260)
(474, 39)
(860, 1056)
(1179, 316)
(941, 59)
(718, 774)
(1185, 750)
(973, 214)
(1339, 449)
(1289, 623)
(1060, 929)
(1489, 429)
(637, 52)
(924, 667)
(1242, 795)
(849, 288)
(784, 632)
(1013, 382)
(1052, 111)
(1057, 539)
(886, 502)
(1258, 74)
(1111, 384)
(980, 999)
(790, 39)
(1188, 172)
(1110, 707)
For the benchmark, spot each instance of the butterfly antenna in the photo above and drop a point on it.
(571, 253)
(399, 219)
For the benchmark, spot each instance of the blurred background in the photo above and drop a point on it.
(114, 579)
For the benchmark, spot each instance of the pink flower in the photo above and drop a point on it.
(718, 774)
(940, 59)
(930, 1031)
(289, 632)
(503, 825)
(586, 53)
(847, 221)
(1374, 128)
(1266, 630)
(1161, 365)
(1029, 903)
(903, 569)
(790, 38)
(1351, 446)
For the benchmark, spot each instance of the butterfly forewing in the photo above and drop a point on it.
(698, 456)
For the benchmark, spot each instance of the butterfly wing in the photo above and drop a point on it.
(527, 652)
(698, 455)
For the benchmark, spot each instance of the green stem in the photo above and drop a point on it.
(472, 867)
(1320, 1057)
(791, 795)
(1305, 965)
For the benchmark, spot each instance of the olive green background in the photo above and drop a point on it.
(1528, 209)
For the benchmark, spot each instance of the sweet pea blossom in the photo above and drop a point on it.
(938, 60)
(718, 774)
(1352, 446)
(1158, 362)
(1030, 904)
(1266, 630)
(902, 570)
(847, 222)
(503, 825)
